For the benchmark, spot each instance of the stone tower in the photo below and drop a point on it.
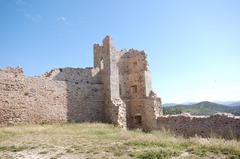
(129, 99)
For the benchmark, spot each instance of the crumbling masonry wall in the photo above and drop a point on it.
(217, 125)
(61, 95)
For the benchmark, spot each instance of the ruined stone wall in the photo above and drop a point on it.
(118, 86)
(60, 95)
(220, 125)
(85, 97)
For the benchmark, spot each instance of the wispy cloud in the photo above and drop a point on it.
(34, 18)
(21, 3)
(23, 6)
(64, 20)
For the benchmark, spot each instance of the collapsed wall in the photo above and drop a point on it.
(217, 125)
(61, 95)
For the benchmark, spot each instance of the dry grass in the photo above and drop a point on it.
(97, 140)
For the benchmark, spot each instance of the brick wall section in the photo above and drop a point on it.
(220, 124)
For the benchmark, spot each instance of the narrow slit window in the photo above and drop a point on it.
(120, 90)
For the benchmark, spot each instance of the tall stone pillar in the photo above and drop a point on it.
(115, 108)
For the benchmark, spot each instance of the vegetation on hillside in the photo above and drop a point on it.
(202, 108)
(106, 141)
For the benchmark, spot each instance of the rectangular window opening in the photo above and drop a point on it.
(138, 119)
(134, 88)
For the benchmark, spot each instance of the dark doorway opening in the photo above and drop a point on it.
(138, 119)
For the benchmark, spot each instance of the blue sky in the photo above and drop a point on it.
(193, 47)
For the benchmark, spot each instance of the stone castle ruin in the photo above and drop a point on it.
(116, 90)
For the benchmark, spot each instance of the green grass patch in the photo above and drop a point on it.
(4, 135)
(12, 148)
(159, 154)
(146, 144)
(203, 151)
(96, 140)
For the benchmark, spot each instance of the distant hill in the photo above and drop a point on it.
(174, 104)
(202, 108)
(169, 104)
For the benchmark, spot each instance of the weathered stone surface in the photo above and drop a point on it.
(66, 95)
(220, 124)
(117, 90)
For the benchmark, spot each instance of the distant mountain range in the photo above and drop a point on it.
(226, 103)
(202, 108)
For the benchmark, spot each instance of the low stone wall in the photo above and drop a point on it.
(218, 125)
